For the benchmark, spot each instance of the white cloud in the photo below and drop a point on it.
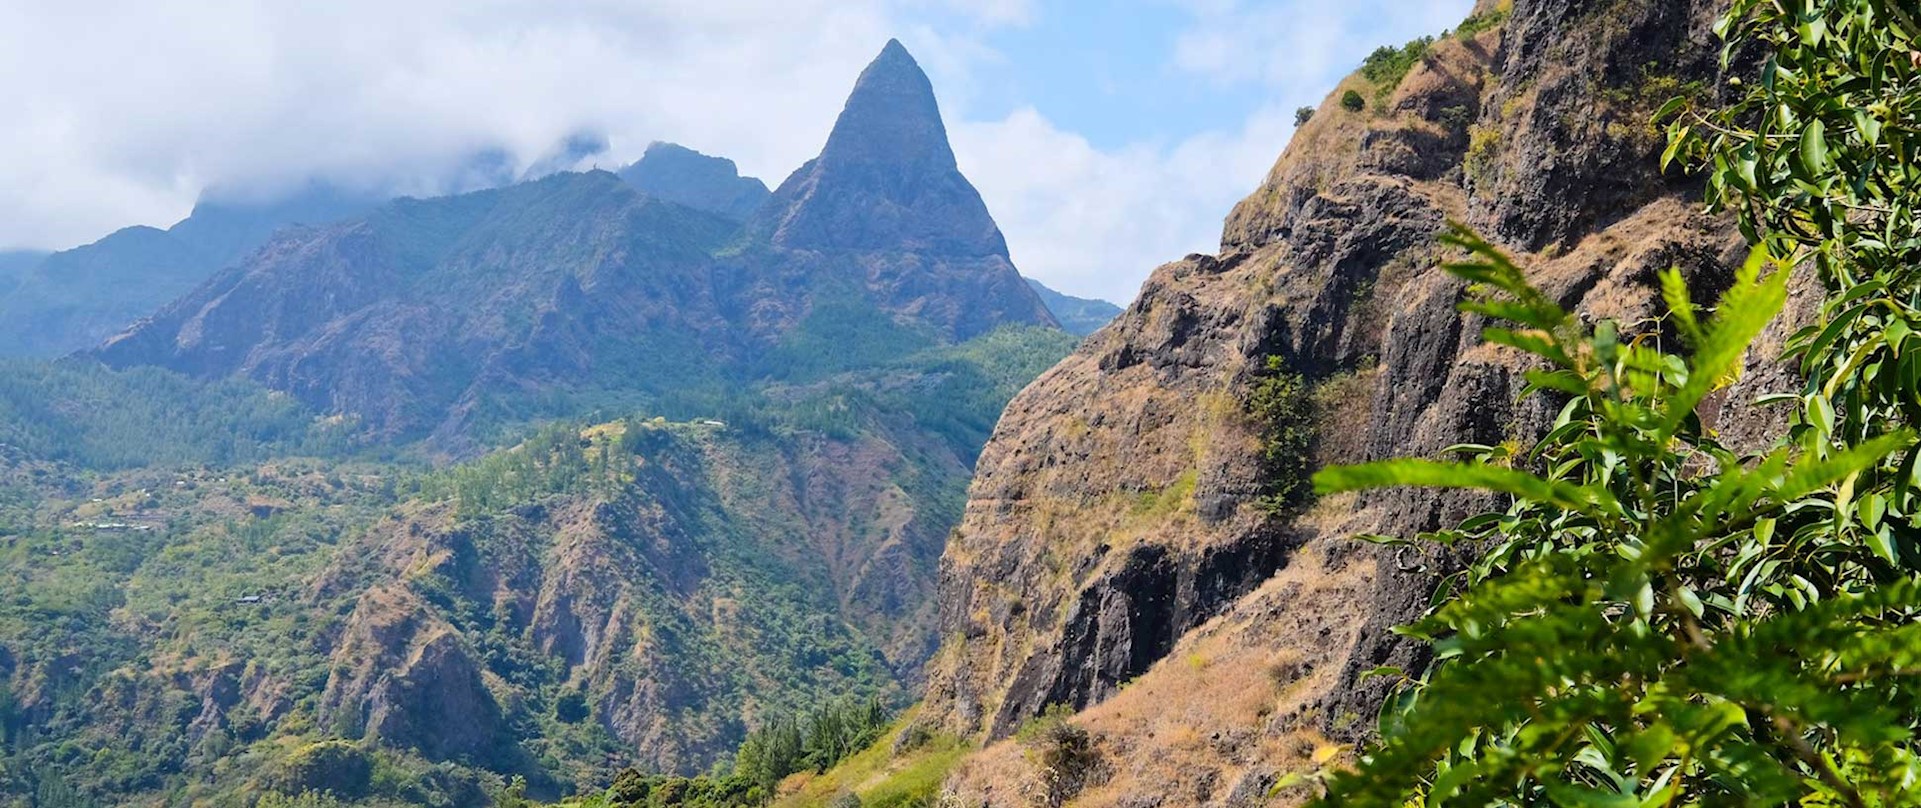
(120, 112)
(123, 111)
(1093, 222)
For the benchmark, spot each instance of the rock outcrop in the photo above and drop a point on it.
(1114, 556)
(885, 206)
(683, 176)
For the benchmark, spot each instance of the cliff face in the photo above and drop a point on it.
(1113, 556)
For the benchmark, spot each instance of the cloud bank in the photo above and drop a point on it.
(124, 112)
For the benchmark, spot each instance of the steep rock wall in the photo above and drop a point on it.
(1159, 620)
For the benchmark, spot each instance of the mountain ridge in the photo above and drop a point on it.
(679, 174)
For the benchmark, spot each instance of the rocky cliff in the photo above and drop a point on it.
(885, 206)
(1120, 554)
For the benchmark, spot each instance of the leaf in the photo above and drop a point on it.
(1745, 309)
(1821, 415)
(1412, 473)
(1327, 752)
(1674, 291)
(1689, 601)
(1809, 476)
(1578, 797)
(1883, 545)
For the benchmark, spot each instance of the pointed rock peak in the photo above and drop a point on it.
(887, 180)
(683, 176)
(891, 116)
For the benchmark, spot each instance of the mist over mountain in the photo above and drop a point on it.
(435, 315)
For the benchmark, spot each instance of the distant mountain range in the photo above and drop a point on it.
(54, 304)
(73, 299)
(1080, 316)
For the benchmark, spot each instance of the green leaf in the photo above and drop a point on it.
(1883, 545)
(1412, 473)
(1572, 796)
(1745, 310)
(1689, 600)
(1810, 476)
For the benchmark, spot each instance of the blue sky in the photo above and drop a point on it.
(1106, 137)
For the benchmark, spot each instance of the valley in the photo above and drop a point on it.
(1537, 432)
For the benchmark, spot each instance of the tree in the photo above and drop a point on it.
(1352, 101)
(1302, 115)
(1657, 619)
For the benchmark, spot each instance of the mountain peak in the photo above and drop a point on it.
(887, 178)
(681, 175)
(892, 116)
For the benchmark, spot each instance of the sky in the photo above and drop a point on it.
(1107, 137)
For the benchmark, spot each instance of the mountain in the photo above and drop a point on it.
(544, 481)
(406, 317)
(1135, 549)
(1078, 315)
(681, 175)
(14, 265)
(887, 180)
(450, 315)
(73, 299)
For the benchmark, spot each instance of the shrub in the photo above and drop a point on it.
(1282, 408)
(1660, 620)
(340, 767)
(1387, 65)
(1067, 759)
(1477, 23)
(1352, 101)
(1483, 145)
(1302, 115)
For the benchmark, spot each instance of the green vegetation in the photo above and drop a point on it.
(1282, 407)
(1302, 115)
(903, 768)
(1353, 101)
(77, 411)
(1386, 66)
(1483, 147)
(156, 537)
(1477, 23)
(818, 741)
(1659, 618)
(823, 738)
